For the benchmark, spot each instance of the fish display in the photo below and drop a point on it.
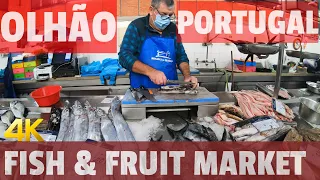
(250, 132)
(108, 130)
(64, 125)
(123, 131)
(255, 103)
(7, 117)
(18, 109)
(81, 122)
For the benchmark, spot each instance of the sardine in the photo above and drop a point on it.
(7, 117)
(65, 120)
(18, 109)
(94, 131)
(245, 132)
(81, 123)
(123, 131)
(108, 130)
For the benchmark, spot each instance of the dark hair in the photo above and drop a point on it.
(156, 3)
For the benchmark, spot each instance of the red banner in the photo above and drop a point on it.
(201, 21)
(165, 160)
(82, 26)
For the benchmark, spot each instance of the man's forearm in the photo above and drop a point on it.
(141, 68)
(185, 69)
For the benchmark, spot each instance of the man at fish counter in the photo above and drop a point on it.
(150, 49)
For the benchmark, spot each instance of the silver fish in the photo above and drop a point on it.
(70, 132)
(18, 109)
(7, 117)
(81, 123)
(122, 128)
(65, 120)
(94, 131)
(192, 136)
(108, 130)
(245, 132)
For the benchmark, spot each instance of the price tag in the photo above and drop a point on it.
(266, 125)
(278, 106)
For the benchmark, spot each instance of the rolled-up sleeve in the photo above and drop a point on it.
(129, 47)
(181, 53)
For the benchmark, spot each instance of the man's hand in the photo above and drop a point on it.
(158, 77)
(192, 79)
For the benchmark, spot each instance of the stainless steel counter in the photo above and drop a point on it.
(213, 81)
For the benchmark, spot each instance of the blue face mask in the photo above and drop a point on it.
(162, 22)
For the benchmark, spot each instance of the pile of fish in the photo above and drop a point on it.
(81, 123)
(249, 132)
(255, 103)
(282, 93)
(193, 132)
(303, 134)
(17, 110)
(229, 114)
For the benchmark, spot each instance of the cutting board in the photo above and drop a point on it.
(203, 97)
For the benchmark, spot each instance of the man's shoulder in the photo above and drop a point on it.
(139, 23)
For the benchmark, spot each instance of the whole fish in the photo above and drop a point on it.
(245, 132)
(18, 109)
(94, 131)
(123, 131)
(7, 117)
(177, 131)
(203, 131)
(108, 130)
(65, 120)
(193, 136)
(81, 122)
(70, 131)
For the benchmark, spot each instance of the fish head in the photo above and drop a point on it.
(87, 104)
(100, 112)
(66, 112)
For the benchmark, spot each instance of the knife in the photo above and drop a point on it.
(178, 82)
(145, 92)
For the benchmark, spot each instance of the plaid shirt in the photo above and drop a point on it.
(135, 36)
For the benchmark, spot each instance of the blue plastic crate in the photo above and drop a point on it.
(248, 63)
